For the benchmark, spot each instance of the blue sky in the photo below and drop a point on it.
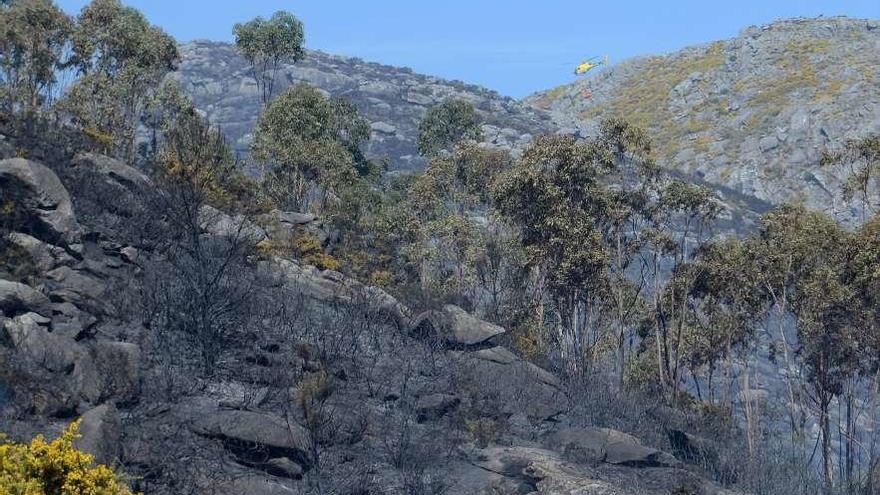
(515, 47)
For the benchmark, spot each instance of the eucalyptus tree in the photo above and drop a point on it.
(449, 245)
(266, 44)
(446, 124)
(633, 186)
(727, 308)
(33, 38)
(804, 260)
(309, 141)
(553, 196)
(862, 158)
(121, 59)
(680, 220)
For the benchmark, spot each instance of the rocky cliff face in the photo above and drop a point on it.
(752, 113)
(393, 98)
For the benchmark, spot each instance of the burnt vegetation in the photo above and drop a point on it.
(326, 329)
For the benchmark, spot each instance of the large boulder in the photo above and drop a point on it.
(70, 321)
(100, 432)
(594, 445)
(333, 287)
(37, 346)
(44, 256)
(77, 281)
(113, 172)
(455, 327)
(16, 298)
(255, 438)
(42, 197)
(536, 471)
(218, 223)
(505, 385)
(252, 485)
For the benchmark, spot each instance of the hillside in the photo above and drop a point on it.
(317, 384)
(750, 113)
(392, 98)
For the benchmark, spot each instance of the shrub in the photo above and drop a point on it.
(15, 262)
(381, 278)
(309, 249)
(55, 468)
(305, 247)
(445, 124)
(314, 389)
(100, 138)
(482, 431)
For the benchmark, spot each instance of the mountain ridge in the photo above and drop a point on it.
(752, 113)
(392, 98)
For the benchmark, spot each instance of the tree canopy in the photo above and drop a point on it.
(266, 44)
(446, 124)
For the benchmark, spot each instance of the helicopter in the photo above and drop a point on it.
(590, 64)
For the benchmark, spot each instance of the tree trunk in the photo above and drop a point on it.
(825, 426)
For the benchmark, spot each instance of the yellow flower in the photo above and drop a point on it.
(54, 468)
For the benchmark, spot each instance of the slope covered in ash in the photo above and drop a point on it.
(301, 381)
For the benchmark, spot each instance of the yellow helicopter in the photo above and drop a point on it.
(590, 64)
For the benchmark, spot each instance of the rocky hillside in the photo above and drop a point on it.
(392, 98)
(750, 113)
(747, 116)
(316, 383)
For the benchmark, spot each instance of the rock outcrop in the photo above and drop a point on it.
(455, 328)
(257, 439)
(392, 98)
(16, 297)
(749, 115)
(609, 446)
(33, 188)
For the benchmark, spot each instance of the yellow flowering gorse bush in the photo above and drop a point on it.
(54, 468)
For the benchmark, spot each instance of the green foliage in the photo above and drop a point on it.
(805, 255)
(862, 156)
(309, 249)
(375, 222)
(113, 39)
(556, 197)
(459, 181)
(447, 249)
(195, 160)
(55, 468)
(309, 140)
(121, 59)
(553, 195)
(446, 124)
(33, 37)
(585, 211)
(725, 291)
(267, 43)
